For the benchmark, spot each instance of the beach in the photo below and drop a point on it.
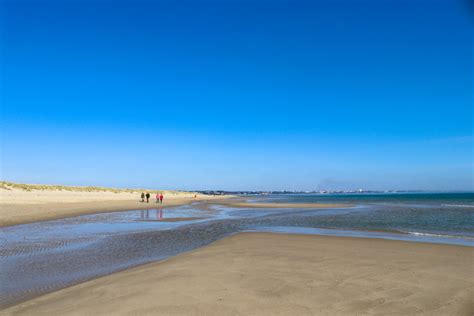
(87, 250)
(278, 274)
(236, 158)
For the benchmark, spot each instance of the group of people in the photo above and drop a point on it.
(159, 197)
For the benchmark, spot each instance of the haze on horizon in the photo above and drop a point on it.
(238, 95)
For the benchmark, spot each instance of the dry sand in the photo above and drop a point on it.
(276, 274)
(18, 206)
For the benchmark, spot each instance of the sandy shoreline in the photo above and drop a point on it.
(17, 213)
(18, 206)
(267, 274)
(14, 214)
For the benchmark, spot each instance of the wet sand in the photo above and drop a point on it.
(268, 274)
(21, 207)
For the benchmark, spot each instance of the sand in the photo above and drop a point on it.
(277, 274)
(18, 206)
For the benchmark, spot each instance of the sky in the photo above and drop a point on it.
(238, 95)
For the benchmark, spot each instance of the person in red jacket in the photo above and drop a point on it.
(161, 198)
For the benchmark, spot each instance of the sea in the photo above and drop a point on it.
(444, 215)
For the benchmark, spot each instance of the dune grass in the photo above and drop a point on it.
(47, 187)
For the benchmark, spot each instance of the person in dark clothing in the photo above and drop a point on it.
(143, 197)
(148, 197)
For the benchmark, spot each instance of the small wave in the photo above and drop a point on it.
(438, 235)
(459, 205)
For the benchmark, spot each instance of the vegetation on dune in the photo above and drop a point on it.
(46, 187)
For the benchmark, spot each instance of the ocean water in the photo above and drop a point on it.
(430, 214)
(46, 256)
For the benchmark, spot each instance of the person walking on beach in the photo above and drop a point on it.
(161, 198)
(148, 197)
(157, 197)
(143, 197)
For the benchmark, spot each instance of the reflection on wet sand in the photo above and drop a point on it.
(146, 215)
(158, 215)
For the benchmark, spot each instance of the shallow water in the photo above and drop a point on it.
(42, 257)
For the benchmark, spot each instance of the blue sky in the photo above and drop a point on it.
(238, 95)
